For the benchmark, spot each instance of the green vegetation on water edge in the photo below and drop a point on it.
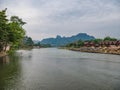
(12, 34)
(80, 43)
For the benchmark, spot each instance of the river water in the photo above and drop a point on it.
(59, 69)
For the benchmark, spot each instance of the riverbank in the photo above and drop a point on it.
(104, 50)
(2, 54)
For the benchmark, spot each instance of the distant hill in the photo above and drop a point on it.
(60, 41)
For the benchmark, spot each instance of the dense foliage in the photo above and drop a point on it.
(11, 31)
(80, 43)
(109, 39)
(26, 43)
(76, 44)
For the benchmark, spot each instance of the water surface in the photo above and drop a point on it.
(59, 69)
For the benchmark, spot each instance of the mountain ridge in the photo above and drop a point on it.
(61, 41)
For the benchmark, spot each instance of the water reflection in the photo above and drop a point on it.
(55, 69)
(4, 60)
(10, 70)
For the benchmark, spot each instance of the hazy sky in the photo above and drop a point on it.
(48, 18)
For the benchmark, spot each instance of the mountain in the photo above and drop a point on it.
(60, 41)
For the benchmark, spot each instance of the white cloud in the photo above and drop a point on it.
(46, 18)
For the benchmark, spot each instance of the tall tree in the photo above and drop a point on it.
(28, 41)
(4, 29)
(17, 32)
(11, 31)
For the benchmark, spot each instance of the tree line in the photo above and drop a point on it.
(80, 43)
(12, 32)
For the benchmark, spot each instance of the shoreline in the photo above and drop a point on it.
(101, 50)
(2, 54)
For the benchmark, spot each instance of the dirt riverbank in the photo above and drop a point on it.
(104, 50)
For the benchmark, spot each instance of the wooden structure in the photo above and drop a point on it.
(102, 43)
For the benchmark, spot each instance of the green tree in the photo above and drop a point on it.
(80, 43)
(109, 39)
(4, 29)
(97, 41)
(11, 31)
(76, 44)
(27, 41)
(17, 32)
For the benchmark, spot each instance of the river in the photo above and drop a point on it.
(59, 69)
